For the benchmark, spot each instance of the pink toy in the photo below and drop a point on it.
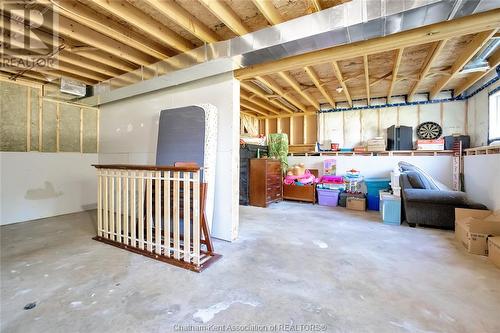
(329, 179)
(306, 178)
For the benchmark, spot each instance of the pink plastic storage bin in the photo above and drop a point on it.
(328, 197)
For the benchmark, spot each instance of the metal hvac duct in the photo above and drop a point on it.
(350, 22)
(479, 62)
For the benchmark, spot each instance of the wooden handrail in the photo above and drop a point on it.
(146, 167)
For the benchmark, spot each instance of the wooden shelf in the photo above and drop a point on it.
(381, 153)
(485, 150)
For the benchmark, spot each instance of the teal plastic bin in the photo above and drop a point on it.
(390, 209)
(373, 187)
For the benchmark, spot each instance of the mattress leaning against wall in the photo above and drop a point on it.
(189, 134)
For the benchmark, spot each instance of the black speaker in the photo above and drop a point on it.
(450, 139)
(400, 138)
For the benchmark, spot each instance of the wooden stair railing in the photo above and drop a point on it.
(156, 211)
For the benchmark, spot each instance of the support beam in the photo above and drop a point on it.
(253, 89)
(395, 69)
(380, 79)
(226, 15)
(67, 56)
(285, 115)
(367, 78)
(278, 90)
(470, 51)
(64, 67)
(184, 19)
(155, 29)
(104, 58)
(249, 113)
(28, 76)
(83, 14)
(315, 79)
(70, 51)
(90, 37)
(258, 101)
(253, 107)
(493, 61)
(270, 12)
(316, 5)
(338, 75)
(432, 55)
(296, 86)
(427, 34)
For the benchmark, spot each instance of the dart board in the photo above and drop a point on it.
(429, 131)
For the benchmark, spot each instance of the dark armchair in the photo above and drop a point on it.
(428, 202)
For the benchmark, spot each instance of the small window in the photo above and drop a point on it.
(494, 116)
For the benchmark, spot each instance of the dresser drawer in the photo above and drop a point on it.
(273, 168)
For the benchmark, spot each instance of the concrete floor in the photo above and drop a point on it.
(293, 264)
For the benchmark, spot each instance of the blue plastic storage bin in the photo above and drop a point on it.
(373, 187)
(390, 209)
(373, 202)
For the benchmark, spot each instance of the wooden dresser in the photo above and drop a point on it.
(265, 182)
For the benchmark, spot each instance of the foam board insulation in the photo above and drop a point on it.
(69, 128)
(430, 112)
(388, 117)
(352, 129)
(13, 117)
(49, 128)
(408, 116)
(332, 127)
(453, 118)
(369, 124)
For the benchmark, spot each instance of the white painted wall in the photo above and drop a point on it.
(440, 167)
(37, 185)
(477, 116)
(129, 131)
(482, 179)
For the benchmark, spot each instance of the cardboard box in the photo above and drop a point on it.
(473, 227)
(354, 203)
(437, 144)
(494, 250)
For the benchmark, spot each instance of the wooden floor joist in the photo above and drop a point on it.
(431, 33)
(472, 48)
(436, 49)
(493, 62)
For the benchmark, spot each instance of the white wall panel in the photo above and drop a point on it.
(38, 185)
(129, 131)
(482, 179)
(439, 167)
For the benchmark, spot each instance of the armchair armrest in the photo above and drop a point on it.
(454, 198)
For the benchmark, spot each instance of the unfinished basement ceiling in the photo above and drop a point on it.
(138, 33)
(143, 33)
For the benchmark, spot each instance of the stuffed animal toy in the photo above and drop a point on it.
(297, 170)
